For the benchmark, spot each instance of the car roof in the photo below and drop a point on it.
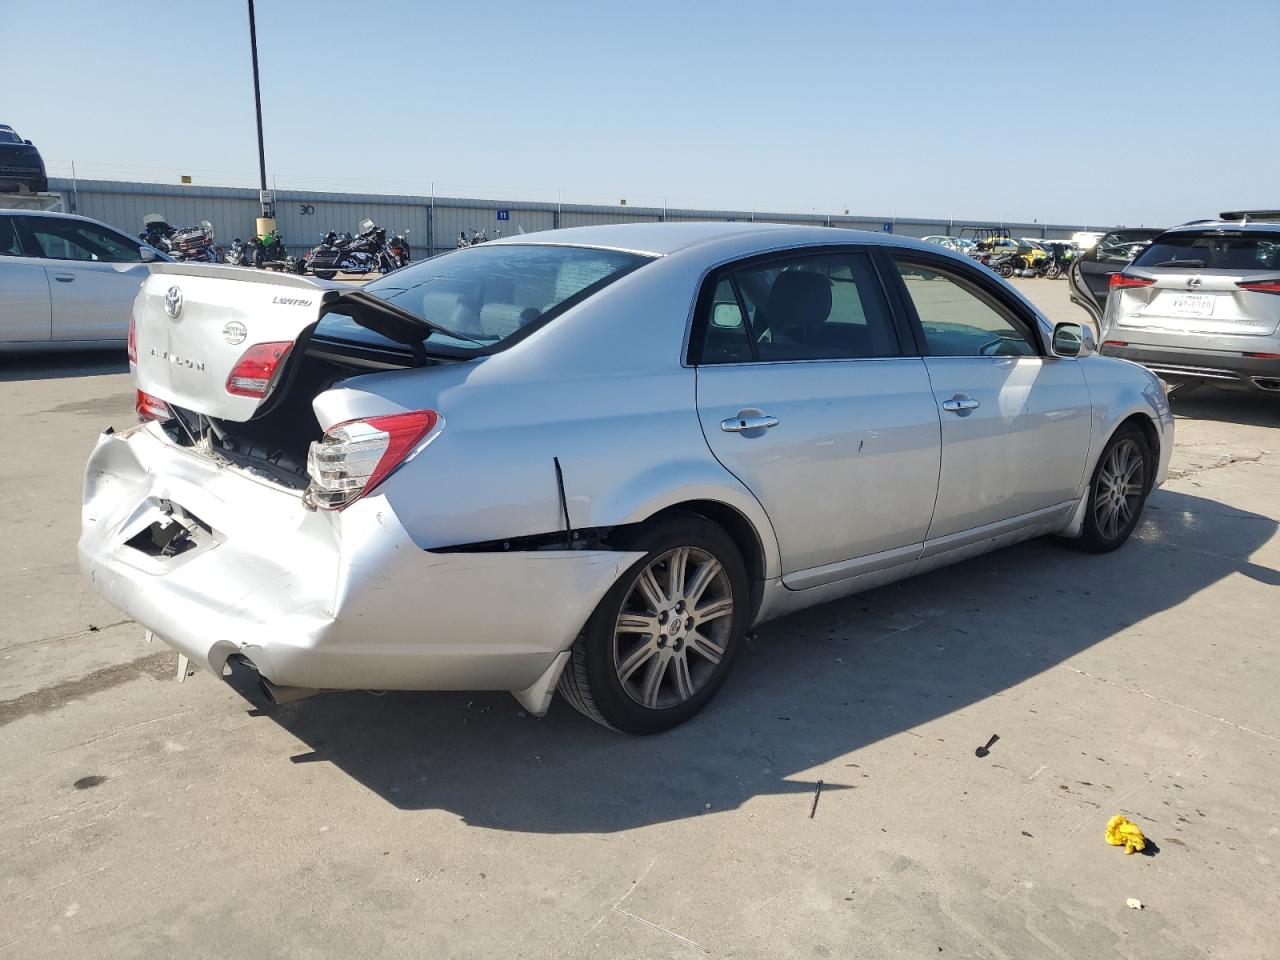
(1227, 226)
(659, 239)
(55, 215)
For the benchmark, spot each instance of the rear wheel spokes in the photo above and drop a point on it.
(674, 628)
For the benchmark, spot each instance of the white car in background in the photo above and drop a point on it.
(67, 280)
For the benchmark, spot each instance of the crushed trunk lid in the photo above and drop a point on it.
(193, 323)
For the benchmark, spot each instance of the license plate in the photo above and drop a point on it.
(1192, 304)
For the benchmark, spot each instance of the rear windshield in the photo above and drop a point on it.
(486, 295)
(1216, 250)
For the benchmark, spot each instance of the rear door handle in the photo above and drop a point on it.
(960, 404)
(743, 424)
(64, 277)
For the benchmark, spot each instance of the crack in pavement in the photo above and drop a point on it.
(1173, 703)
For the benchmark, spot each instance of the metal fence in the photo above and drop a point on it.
(433, 223)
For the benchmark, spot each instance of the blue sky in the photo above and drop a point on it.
(1071, 112)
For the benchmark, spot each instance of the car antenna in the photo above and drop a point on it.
(570, 536)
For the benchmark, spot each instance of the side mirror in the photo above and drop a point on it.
(27, 142)
(146, 254)
(1072, 340)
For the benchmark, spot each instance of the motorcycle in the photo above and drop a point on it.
(1006, 264)
(266, 252)
(366, 252)
(156, 232)
(477, 236)
(398, 245)
(192, 244)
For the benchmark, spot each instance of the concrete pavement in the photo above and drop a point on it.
(146, 818)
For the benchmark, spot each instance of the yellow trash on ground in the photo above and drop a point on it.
(1122, 832)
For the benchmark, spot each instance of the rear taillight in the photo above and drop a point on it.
(1120, 281)
(1260, 286)
(354, 457)
(1263, 356)
(133, 339)
(255, 372)
(151, 408)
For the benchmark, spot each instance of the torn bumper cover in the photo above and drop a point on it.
(316, 599)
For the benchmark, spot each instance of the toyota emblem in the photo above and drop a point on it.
(173, 302)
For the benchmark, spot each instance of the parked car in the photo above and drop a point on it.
(20, 163)
(1201, 305)
(951, 243)
(66, 280)
(1090, 274)
(591, 459)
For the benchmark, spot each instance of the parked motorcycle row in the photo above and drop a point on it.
(1023, 257)
(368, 251)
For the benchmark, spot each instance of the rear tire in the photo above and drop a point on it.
(1117, 491)
(326, 274)
(665, 636)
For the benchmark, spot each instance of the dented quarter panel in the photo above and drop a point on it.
(325, 600)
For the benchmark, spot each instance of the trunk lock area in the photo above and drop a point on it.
(173, 534)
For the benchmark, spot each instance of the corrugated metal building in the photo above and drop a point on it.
(434, 222)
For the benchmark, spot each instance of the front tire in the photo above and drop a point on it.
(663, 639)
(1117, 491)
(326, 274)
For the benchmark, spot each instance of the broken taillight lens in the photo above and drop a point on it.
(352, 458)
(151, 408)
(255, 372)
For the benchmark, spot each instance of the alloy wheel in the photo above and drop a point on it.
(673, 628)
(1118, 494)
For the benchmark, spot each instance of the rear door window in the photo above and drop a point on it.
(826, 306)
(1217, 250)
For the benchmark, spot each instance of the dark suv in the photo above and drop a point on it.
(20, 163)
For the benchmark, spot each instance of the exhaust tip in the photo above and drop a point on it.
(281, 695)
(1266, 383)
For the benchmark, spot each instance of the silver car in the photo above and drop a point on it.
(66, 281)
(1201, 305)
(591, 459)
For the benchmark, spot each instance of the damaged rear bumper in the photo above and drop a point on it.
(323, 600)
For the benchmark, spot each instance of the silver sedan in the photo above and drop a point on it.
(590, 460)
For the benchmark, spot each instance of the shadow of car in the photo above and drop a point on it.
(810, 688)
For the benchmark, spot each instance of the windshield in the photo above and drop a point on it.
(8, 136)
(485, 295)
(1218, 250)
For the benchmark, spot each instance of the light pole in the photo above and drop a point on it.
(264, 198)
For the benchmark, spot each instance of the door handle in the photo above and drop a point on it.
(960, 404)
(743, 424)
(64, 277)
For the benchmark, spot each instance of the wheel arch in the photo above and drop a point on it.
(740, 529)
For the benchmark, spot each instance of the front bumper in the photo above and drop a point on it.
(317, 599)
(1222, 367)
